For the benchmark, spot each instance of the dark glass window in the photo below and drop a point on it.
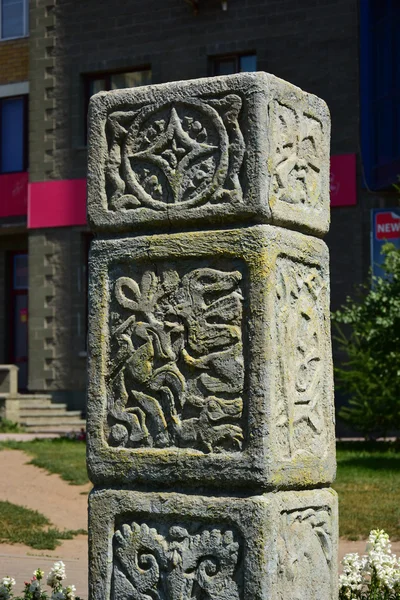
(13, 18)
(380, 91)
(13, 134)
(234, 63)
(20, 272)
(103, 82)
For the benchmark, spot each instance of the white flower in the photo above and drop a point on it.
(70, 592)
(57, 574)
(5, 588)
(39, 574)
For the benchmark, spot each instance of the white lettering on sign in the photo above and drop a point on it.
(389, 227)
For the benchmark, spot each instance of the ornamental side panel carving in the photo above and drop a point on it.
(300, 313)
(176, 357)
(305, 555)
(296, 142)
(169, 561)
(184, 153)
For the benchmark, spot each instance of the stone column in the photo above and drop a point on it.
(210, 409)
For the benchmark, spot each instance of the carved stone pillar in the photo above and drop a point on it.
(210, 399)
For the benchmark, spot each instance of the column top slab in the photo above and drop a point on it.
(245, 148)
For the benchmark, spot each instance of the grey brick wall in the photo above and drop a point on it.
(57, 310)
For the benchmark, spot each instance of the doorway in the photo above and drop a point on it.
(18, 322)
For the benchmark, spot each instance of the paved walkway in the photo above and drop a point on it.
(63, 504)
(66, 506)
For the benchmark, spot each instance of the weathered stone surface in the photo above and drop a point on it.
(247, 147)
(169, 546)
(210, 360)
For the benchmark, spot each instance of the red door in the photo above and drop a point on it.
(19, 316)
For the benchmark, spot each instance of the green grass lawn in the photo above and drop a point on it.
(368, 480)
(60, 455)
(368, 484)
(26, 526)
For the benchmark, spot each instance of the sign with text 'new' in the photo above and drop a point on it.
(385, 228)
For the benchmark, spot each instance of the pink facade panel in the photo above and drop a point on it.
(62, 203)
(57, 203)
(343, 180)
(13, 194)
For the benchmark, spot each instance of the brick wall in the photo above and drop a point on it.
(57, 314)
(14, 60)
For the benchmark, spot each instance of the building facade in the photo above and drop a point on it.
(332, 48)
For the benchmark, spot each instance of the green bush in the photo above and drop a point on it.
(7, 426)
(368, 332)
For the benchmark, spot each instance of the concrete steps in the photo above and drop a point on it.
(38, 414)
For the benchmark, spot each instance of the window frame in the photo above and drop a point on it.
(106, 75)
(25, 23)
(25, 153)
(215, 59)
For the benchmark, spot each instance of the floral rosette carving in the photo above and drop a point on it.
(183, 153)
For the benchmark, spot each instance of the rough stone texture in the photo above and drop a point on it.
(177, 547)
(247, 147)
(210, 360)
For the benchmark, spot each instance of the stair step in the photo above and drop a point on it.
(46, 409)
(63, 428)
(49, 420)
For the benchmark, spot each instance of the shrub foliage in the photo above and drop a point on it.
(368, 332)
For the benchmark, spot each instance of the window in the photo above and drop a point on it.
(380, 91)
(234, 63)
(13, 134)
(13, 18)
(103, 82)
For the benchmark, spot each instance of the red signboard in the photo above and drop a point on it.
(57, 203)
(343, 180)
(387, 225)
(13, 194)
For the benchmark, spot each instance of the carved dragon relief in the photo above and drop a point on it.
(305, 553)
(297, 147)
(185, 153)
(171, 562)
(300, 338)
(176, 364)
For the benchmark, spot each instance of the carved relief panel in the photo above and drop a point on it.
(209, 359)
(303, 383)
(184, 154)
(306, 554)
(296, 139)
(176, 356)
(244, 148)
(176, 561)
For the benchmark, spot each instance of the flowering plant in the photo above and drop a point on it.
(33, 589)
(373, 576)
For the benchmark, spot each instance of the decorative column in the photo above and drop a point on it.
(210, 403)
